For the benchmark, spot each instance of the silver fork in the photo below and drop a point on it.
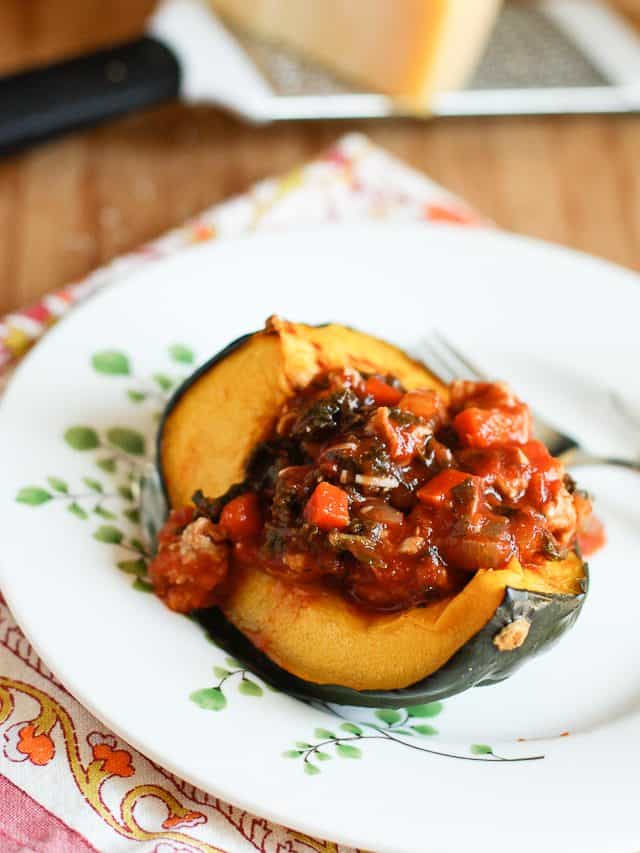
(447, 363)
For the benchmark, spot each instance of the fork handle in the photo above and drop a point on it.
(578, 457)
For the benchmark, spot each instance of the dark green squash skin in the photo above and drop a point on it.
(477, 663)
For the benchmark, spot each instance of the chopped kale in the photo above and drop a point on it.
(376, 459)
(293, 489)
(275, 540)
(270, 457)
(212, 507)
(336, 413)
(402, 418)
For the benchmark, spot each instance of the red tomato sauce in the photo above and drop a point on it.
(394, 498)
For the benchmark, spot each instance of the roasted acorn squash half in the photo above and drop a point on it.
(314, 643)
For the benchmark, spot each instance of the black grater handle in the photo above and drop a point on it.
(85, 91)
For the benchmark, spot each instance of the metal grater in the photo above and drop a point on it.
(527, 50)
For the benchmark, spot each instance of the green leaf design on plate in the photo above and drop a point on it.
(432, 709)
(425, 730)
(82, 438)
(249, 688)
(407, 732)
(133, 515)
(111, 362)
(129, 440)
(220, 672)
(302, 745)
(181, 354)
(142, 586)
(109, 534)
(33, 496)
(126, 493)
(292, 753)
(136, 396)
(94, 485)
(210, 699)
(324, 734)
(389, 716)
(133, 567)
(77, 510)
(109, 466)
(232, 662)
(345, 750)
(163, 381)
(138, 545)
(311, 769)
(322, 756)
(58, 485)
(351, 728)
(481, 749)
(104, 513)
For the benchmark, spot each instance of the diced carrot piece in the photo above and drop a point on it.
(438, 489)
(425, 404)
(538, 490)
(538, 456)
(328, 507)
(241, 518)
(488, 427)
(382, 393)
(471, 426)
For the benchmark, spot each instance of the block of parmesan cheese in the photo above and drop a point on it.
(404, 48)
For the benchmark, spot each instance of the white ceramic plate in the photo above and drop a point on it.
(562, 327)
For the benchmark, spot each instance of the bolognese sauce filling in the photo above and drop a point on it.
(392, 497)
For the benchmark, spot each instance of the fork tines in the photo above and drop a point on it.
(446, 361)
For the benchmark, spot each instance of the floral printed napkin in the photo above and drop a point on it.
(67, 783)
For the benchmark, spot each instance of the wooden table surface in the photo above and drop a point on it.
(71, 205)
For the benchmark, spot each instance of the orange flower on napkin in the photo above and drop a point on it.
(24, 744)
(115, 762)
